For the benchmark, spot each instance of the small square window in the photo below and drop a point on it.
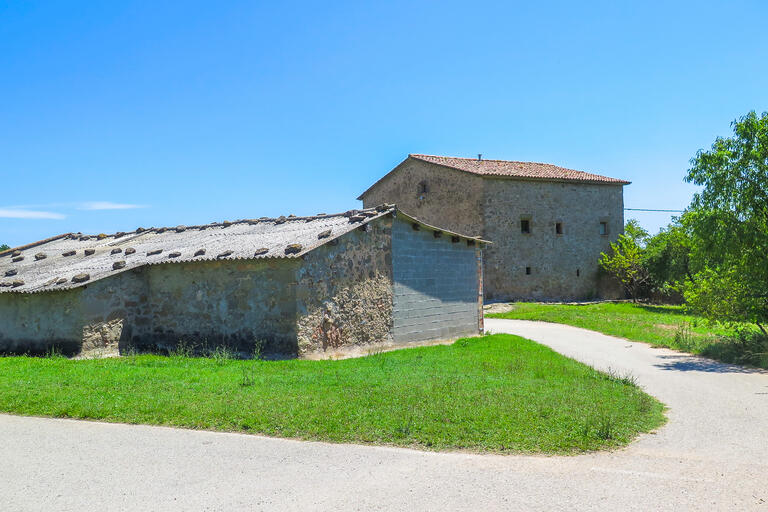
(558, 228)
(603, 228)
(527, 271)
(525, 226)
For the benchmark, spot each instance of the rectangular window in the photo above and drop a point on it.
(558, 228)
(527, 271)
(603, 228)
(525, 226)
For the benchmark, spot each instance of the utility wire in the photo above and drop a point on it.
(648, 210)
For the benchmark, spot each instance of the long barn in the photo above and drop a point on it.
(292, 286)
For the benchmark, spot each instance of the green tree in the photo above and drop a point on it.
(636, 232)
(668, 256)
(3, 247)
(626, 261)
(728, 222)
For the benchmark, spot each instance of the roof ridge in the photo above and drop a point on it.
(516, 169)
(498, 160)
(139, 231)
(225, 223)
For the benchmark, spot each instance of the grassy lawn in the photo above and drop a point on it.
(666, 326)
(497, 393)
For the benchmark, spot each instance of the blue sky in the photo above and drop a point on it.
(115, 115)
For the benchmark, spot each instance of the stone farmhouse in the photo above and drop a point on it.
(548, 224)
(297, 285)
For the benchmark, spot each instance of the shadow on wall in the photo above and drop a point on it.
(35, 348)
(240, 346)
(243, 345)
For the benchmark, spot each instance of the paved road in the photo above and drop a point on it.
(712, 455)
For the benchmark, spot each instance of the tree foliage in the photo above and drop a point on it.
(728, 225)
(3, 247)
(626, 261)
(668, 257)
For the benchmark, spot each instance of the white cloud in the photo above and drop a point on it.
(107, 205)
(14, 213)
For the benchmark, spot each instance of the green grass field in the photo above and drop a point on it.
(497, 393)
(665, 326)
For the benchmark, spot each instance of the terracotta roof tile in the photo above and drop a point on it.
(527, 170)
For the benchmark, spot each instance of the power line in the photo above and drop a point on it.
(649, 210)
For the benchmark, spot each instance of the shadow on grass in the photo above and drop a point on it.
(662, 310)
(685, 363)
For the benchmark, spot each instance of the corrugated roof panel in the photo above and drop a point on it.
(96, 256)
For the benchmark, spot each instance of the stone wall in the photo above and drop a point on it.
(237, 304)
(344, 291)
(95, 319)
(561, 266)
(453, 200)
(33, 323)
(436, 284)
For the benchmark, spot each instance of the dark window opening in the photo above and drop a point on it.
(525, 226)
(558, 228)
(603, 228)
(527, 271)
(577, 272)
(437, 234)
(455, 239)
(470, 243)
(415, 226)
(422, 190)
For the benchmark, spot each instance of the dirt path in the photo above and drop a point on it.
(712, 455)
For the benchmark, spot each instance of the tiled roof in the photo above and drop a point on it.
(73, 259)
(509, 169)
(531, 170)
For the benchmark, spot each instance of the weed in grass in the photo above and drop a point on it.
(258, 348)
(683, 336)
(54, 352)
(586, 428)
(605, 428)
(406, 429)
(222, 355)
(644, 403)
(516, 365)
(375, 350)
(625, 378)
(248, 377)
(183, 350)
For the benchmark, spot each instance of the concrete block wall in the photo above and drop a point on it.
(435, 285)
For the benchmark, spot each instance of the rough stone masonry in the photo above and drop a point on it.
(547, 224)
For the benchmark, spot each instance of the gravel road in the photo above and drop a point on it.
(712, 455)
